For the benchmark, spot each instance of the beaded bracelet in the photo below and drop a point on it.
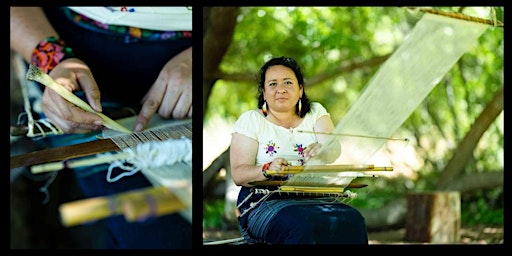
(264, 170)
(49, 53)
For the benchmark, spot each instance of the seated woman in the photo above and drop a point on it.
(264, 139)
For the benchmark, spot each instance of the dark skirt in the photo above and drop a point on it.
(303, 221)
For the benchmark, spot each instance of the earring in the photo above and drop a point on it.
(300, 106)
(264, 108)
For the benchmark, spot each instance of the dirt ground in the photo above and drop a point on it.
(469, 235)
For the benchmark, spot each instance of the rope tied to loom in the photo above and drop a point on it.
(148, 156)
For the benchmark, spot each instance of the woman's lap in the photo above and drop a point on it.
(308, 222)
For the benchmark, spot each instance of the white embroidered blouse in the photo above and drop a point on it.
(276, 141)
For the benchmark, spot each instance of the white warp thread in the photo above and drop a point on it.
(164, 163)
(431, 49)
(156, 158)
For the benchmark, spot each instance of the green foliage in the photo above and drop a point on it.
(212, 214)
(483, 207)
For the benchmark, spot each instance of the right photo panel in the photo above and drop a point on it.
(352, 125)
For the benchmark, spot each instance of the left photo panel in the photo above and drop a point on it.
(101, 127)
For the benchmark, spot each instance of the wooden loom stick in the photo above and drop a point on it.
(328, 168)
(36, 74)
(55, 166)
(353, 135)
(303, 184)
(64, 153)
(134, 205)
(312, 189)
(495, 23)
(98, 146)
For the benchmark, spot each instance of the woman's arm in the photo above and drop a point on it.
(327, 155)
(243, 152)
(29, 26)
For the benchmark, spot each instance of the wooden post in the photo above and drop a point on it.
(433, 217)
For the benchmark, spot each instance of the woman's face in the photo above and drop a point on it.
(282, 90)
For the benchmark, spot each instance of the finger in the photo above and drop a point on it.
(71, 126)
(183, 105)
(80, 121)
(190, 112)
(91, 90)
(148, 110)
(169, 102)
(68, 117)
(150, 105)
(74, 75)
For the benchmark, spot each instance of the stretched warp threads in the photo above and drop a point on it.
(158, 130)
(176, 129)
(164, 162)
(431, 49)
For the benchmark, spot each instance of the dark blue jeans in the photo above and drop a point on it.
(310, 221)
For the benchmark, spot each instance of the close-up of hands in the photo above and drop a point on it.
(171, 94)
(312, 150)
(74, 75)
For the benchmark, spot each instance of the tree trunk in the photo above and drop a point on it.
(433, 217)
(465, 148)
(218, 28)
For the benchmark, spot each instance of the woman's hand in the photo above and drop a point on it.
(277, 164)
(74, 75)
(312, 150)
(171, 94)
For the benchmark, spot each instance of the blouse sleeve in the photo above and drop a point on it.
(317, 111)
(248, 124)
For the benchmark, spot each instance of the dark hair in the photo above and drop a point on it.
(292, 64)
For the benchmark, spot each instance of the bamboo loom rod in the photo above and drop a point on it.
(56, 166)
(303, 184)
(354, 135)
(134, 205)
(311, 189)
(327, 168)
(36, 74)
(460, 16)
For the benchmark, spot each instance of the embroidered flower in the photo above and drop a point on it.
(271, 148)
(299, 149)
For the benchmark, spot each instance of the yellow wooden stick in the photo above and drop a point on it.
(134, 205)
(36, 74)
(328, 168)
(311, 189)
